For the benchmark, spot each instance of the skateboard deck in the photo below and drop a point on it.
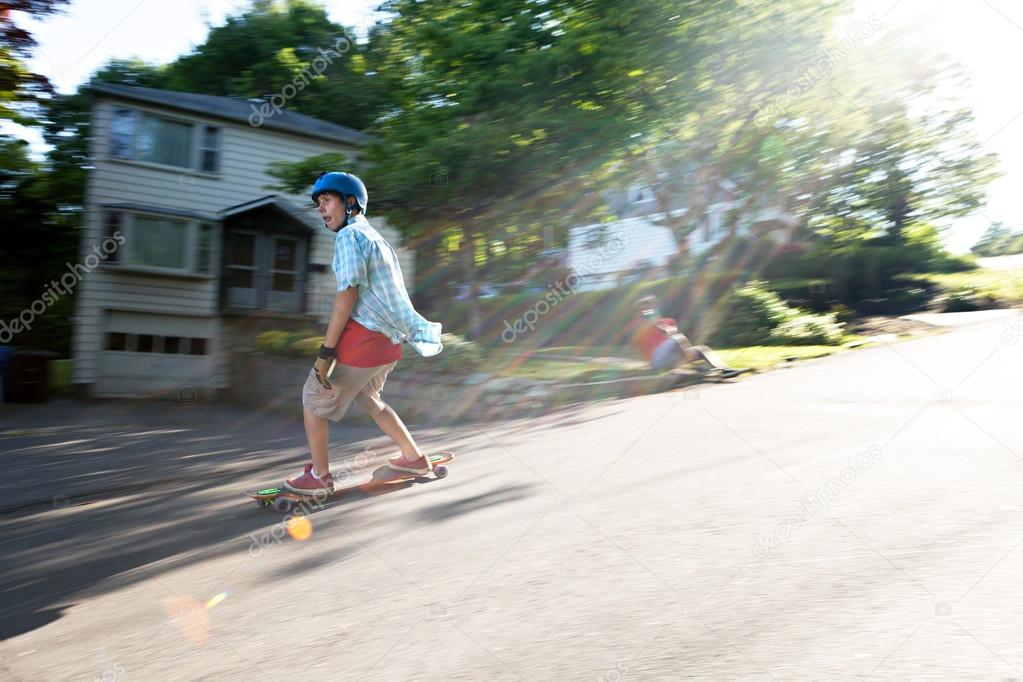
(722, 373)
(282, 500)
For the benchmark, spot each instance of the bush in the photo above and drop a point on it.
(758, 317)
(306, 347)
(460, 356)
(967, 299)
(752, 313)
(808, 330)
(273, 341)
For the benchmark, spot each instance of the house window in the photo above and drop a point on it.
(209, 149)
(241, 262)
(264, 271)
(159, 242)
(154, 343)
(166, 243)
(113, 227)
(141, 136)
(284, 273)
(117, 341)
(204, 256)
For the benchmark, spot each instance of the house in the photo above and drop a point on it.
(186, 254)
(638, 245)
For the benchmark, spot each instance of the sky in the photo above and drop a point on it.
(984, 35)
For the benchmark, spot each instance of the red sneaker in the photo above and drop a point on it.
(307, 484)
(420, 466)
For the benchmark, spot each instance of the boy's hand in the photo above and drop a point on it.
(324, 365)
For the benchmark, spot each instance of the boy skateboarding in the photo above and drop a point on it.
(371, 316)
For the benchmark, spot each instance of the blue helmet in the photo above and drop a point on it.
(345, 184)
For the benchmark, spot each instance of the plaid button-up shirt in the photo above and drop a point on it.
(364, 259)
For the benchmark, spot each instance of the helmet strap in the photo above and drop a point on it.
(348, 208)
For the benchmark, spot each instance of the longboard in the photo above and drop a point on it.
(282, 500)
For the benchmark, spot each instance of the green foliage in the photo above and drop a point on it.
(808, 330)
(974, 290)
(298, 178)
(999, 240)
(966, 298)
(753, 313)
(460, 356)
(757, 316)
(273, 341)
(22, 92)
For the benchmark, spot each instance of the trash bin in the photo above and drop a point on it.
(28, 377)
(5, 357)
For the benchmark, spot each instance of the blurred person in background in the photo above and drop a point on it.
(662, 345)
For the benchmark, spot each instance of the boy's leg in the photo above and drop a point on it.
(411, 459)
(317, 432)
(392, 425)
(320, 406)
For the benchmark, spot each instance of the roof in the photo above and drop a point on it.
(235, 109)
(271, 201)
(161, 210)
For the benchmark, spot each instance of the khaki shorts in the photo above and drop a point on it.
(361, 384)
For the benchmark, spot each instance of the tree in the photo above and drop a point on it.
(21, 91)
(515, 109)
(999, 240)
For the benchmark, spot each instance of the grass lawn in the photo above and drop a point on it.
(760, 358)
(1005, 286)
(542, 365)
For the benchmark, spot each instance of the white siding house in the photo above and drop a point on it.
(186, 252)
(637, 245)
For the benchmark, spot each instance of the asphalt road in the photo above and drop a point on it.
(856, 517)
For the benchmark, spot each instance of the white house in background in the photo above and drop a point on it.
(638, 245)
(206, 256)
(602, 254)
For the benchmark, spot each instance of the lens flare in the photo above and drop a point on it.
(299, 528)
(216, 599)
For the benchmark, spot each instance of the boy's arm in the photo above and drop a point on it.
(344, 304)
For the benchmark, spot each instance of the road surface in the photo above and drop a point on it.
(856, 517)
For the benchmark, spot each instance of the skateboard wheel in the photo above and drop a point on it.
(441, 471)
(282, 505)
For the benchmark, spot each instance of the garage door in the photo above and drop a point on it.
(147, 355)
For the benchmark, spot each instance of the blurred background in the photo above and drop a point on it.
(778, 174)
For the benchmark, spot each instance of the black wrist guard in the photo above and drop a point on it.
(327, 353)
